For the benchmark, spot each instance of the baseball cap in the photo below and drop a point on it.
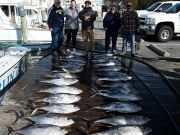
(129, 4)
(87, 2)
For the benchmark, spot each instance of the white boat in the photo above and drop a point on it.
(12, 66)
(10, 24)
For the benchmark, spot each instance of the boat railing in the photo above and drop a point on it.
(4, 49)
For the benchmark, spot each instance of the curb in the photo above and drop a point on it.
(38, 47)
(158, 50)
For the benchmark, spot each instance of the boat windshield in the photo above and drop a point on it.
(153, 6)
(174, 9)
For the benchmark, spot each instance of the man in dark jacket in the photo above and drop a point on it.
(111, 24)
(56, 24)
(88, 16)
(130, 26)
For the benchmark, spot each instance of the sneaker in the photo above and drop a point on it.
(123, 53)
(114, 52)
(67, 50)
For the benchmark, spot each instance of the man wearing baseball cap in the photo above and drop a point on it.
(88, 16)
(56, 24)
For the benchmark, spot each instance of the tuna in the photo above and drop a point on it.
(73, 70)
(61, 75)
(60, 82)
(106, 64)
(62, 90)
(124, 120)
(126, 130)
(41, 130)
(120, 96)
(112, 79)
(51, 119)
(58, 108)
(60, 98)
(120, 107)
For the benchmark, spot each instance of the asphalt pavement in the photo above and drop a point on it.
(169, 66)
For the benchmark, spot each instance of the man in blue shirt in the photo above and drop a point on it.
(56, 24)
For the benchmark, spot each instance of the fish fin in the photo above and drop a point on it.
(38, 100)
(29, 120)
(92, 96)
(65, 70)
(89, 106)
(34, 112)
(83, 131)
(10, 129)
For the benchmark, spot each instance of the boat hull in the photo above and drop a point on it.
(10, 70)
(33, 35)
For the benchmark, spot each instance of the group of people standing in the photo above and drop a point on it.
(56, 25)
(127, 24)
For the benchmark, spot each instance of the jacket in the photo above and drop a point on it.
(130, 22)
(56, 17)
(87, 24)
(71, 18)
(111, 21)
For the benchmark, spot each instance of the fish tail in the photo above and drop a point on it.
(95, 92)
(10, 129)
(88, 121)
(83, 131)
(18, 116)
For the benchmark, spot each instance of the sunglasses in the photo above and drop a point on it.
(129, 6)
(113, 9)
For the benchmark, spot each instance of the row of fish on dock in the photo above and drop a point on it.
(62, 97)
(113, 84)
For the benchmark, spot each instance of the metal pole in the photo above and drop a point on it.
(24, 29)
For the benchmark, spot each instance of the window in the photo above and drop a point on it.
(153, 7)
(174, 9)
(5, 10)
(164, 7)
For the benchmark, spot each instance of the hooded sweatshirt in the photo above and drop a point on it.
(56, 17)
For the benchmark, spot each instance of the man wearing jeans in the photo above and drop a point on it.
(56, 24)
(130, 26)
(111, 24)
(88, 16)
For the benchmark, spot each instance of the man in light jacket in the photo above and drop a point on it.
(71, 24)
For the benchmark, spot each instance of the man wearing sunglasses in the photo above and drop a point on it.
(111, 24)
(130, 26)
(56, 24)
(88, 16)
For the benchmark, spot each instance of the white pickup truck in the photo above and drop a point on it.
(156, 7)
(163, 25)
